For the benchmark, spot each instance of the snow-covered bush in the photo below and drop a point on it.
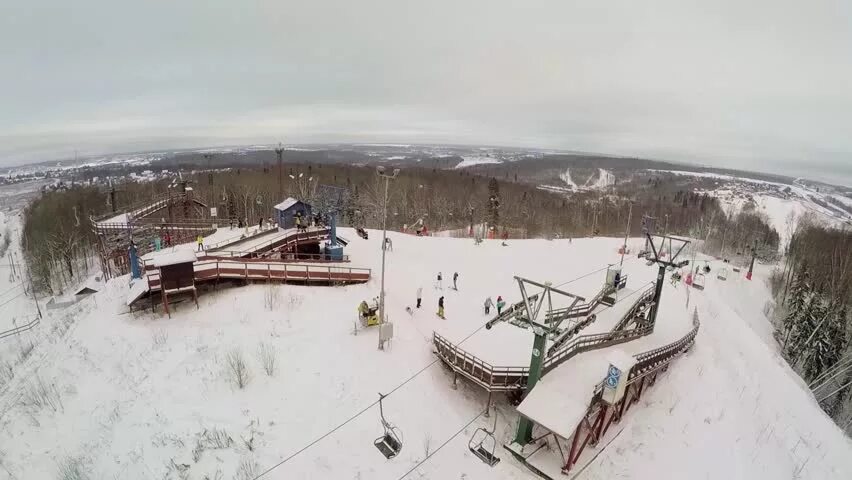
(267, 357)
(271, 297)
(38, 395)
(72, 468)
(248, 469)
(238, 371)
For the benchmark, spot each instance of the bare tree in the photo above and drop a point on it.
(238, 370)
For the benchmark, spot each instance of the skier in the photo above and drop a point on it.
(260, 223)
(455, 281)
(200, 241)
(488, 305)
(441, 307)
(500, 304)
(168, 239)
(439, 284)
(388, 244)
(419, 296)
(157, 243)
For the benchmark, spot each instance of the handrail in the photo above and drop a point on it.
(286, 240)
(223, 268)
(494, 377)
(21, 328)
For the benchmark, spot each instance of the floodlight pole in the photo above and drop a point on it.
(279, 151)
(626, 234)
(380, 171)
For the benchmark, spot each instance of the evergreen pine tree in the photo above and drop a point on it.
(823, 338)
(797, 306)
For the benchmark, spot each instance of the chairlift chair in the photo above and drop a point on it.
(390, 443)
(482, 444)
(723, 274)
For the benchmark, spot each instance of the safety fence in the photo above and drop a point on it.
(215, 269)
(21, 328)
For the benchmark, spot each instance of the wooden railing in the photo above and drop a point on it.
(214, 269)
(503, 378)
(277, 242)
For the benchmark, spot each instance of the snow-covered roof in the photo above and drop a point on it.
(172, 258)
(289, 202)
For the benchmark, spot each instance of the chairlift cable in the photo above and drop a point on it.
(442, 445)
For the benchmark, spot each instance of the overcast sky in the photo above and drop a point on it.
(759, 84)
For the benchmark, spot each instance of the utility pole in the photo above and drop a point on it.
(626, 233)
(209, 157)
(279, 152)
(380, 171)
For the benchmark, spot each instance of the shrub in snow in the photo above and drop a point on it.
(72, 468)
(266, 355)
(248, 469)
(38, 395)
(159, 338)
(271, 297)
(238, 370)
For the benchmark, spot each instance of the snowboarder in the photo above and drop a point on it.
(200, 241)
(168, 239)
(260, 223)
(455, 281)
(500, 304)
(488, 305)
(419, 296)
(441, 307)
(439, 284)
(388, 244)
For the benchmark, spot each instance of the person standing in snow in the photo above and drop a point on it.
(439, 283)
(419, 296)
(441, 307)
(200, 241)
(157, 243)
(488, 305)
(455, 281)
(260, 224)
(500, 304)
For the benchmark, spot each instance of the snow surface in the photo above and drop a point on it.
(137, 390)
(469, 161)
(171, 258)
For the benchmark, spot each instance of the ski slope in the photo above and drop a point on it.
(138, 390)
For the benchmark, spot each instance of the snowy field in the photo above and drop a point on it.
(142, 396)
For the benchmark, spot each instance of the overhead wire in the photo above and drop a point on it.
(396, 388)
(433, 452)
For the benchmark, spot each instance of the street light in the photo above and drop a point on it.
(380, 171)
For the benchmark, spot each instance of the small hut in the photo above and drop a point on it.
(177, 275)
(287, 211)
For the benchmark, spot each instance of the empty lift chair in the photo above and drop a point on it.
(390, 443)
(723, 274)
(483, 443)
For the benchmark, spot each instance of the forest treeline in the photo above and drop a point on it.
(59, 235)
(813, 289)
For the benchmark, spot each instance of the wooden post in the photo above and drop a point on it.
(570, 461)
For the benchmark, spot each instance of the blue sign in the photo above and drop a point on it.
(611, 381)
(612, 377)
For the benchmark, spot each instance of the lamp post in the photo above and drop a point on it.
(380, 171)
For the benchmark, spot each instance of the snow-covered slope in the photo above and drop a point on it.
(135, 393)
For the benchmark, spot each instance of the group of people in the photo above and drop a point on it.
(439, 283)
(489, 303)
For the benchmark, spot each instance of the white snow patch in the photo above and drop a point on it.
(469, 161)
